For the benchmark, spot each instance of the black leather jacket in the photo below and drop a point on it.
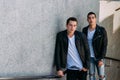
(99, 41)
(61, 49)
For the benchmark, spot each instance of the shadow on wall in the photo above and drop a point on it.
(112, 71)
(113, 38)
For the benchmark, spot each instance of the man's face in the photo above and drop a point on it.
(91, 19)
(71, 26)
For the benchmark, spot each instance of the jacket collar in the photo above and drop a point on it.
(75, 33)
(96, 29)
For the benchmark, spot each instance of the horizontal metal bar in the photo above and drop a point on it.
(117, 9)
(29, 77)
(112, 59)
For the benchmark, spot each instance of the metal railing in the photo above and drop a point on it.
(30, 77)
(41, 77)
(112, 59)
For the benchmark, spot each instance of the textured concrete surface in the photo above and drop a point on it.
(28, 29)
(110, 19)
(112, 70)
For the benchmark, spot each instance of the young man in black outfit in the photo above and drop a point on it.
(97, 40)
(72, 52)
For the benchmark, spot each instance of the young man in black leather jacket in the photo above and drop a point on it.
(97, 40)
(72, 52)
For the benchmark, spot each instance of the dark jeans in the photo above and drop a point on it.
(76, 75)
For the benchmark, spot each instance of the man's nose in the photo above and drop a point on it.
(72, 27)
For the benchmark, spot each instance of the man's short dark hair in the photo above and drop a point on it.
(71, 19)
(90, 14)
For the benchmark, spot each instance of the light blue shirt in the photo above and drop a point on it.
(73, 59)
(90, 37)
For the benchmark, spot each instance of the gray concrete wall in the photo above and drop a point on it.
(110, 19)
(112, 69)
(28, 29)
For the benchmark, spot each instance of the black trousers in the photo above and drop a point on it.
(76, 75)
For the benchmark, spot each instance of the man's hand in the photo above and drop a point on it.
(60, 73)
(100, 63)
(84, 69)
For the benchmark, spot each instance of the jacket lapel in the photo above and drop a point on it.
(96, 33)
(65, 40)
(78, 41)
(86, 30)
